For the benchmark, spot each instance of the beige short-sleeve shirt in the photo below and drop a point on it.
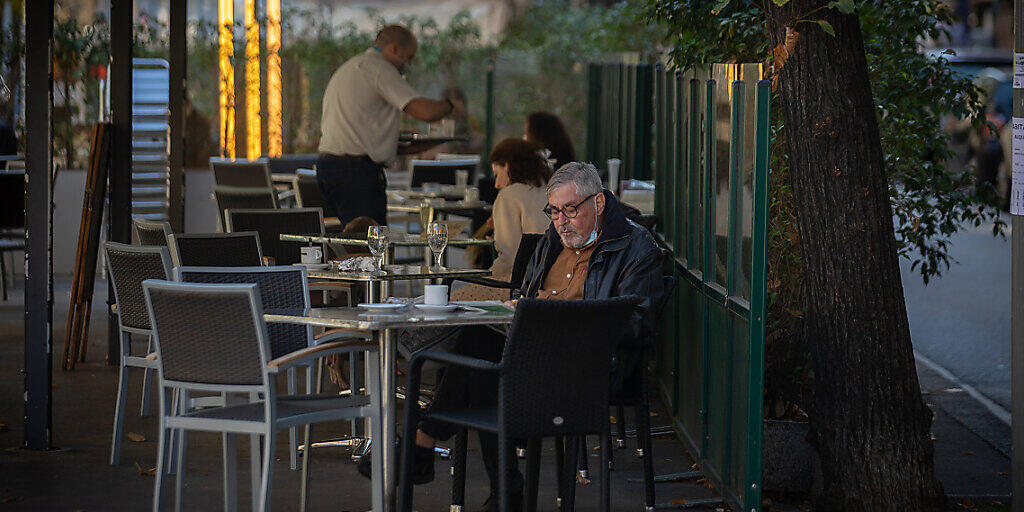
(362, 107)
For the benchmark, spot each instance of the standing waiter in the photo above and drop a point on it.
(359, 128)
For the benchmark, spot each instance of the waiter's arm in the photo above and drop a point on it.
(429, 110)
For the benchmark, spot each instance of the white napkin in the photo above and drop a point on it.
(358, 264)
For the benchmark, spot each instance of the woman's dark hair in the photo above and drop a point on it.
(546, 129)
(526, 163)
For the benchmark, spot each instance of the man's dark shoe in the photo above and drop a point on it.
(492, 505)
(422, 466)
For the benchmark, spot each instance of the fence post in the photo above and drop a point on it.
(593, 111)
(489, 119)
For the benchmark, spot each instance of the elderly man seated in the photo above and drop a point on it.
(590, 251)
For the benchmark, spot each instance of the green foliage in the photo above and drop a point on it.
(930, 201)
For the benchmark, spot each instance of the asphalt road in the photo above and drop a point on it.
(961, 321)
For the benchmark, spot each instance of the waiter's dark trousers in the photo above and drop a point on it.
(352, 187)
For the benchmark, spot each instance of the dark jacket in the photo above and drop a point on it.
(626, 261)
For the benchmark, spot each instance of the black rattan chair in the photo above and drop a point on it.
(216, 249)
(527, 244)
(440, 171)
(151, 232)
(129, 266)
(240, 173)
(234, 198)
(272, 223)
(555, 353)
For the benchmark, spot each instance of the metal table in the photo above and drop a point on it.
(382, 323)
(407, 240)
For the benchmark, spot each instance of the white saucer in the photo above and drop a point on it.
(382, 305)
(433, 308)
(315, 266)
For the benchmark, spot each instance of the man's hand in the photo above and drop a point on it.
(510, 304)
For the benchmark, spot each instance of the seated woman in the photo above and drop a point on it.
(520, 174)
(547, 130)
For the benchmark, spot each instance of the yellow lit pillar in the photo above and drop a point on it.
(274, 147)
(226, 51)
(253, 131)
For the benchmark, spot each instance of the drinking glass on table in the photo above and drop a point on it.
(437, 239)
(377, 240)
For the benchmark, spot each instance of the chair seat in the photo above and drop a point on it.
(479, 418)
(288, 406)
(149, 361)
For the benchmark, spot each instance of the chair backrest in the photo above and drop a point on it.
(271, 223)
(280, 288)
(240, 173)
(527, 244)
(234, 198)
(556, 365)
(151, 232)
(209, 335)
(12, 199)
(307, 191)
(215, 249)
(129, 266)
(439, 171)
(285, 164)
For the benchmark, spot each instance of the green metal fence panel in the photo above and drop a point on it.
(702, 135)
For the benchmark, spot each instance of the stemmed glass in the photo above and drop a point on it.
(377, 240)
(437, 239)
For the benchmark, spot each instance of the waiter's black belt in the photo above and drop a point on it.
(354, 158)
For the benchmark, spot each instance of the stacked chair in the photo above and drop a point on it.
(241, 184)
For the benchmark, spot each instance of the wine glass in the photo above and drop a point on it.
(377, 240)
(437, 239)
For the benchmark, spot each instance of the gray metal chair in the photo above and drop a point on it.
(212, 338)
(215, 249)
(272, 223)
(280, 288)
(129, 266)
(151, 232)
(307, 191)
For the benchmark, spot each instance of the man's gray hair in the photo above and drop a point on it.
(583, 175)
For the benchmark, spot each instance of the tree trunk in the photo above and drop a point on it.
(868, 421)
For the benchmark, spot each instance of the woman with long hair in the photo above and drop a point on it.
(547, 130)
(521, 171)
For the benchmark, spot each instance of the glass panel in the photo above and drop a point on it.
(751, 74)
(724, 75)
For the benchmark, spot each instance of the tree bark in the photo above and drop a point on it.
(868, 421)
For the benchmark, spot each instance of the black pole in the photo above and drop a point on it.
(120, 190)
(489, 115)
(176, 104)
(38, 225)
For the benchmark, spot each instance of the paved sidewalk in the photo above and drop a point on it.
(77, 477)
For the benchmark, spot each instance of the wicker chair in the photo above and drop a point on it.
(129, 266)
(555, 353)
(231, 198)
(212, 338)
(527, 244)
(149, 232)
(216, 249)
(280, 288)
(240, 173)
(271, 223)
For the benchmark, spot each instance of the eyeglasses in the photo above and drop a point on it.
(570, 211)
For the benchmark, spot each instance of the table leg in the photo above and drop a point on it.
(386, 445)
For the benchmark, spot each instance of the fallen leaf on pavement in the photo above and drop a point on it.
(705, 482)
(678, 501)
(12, 499)
(965, 452)
(611, 419)
(145, 472)
(138, 438)
(1005, 473)
(580, 479)
(3, 427)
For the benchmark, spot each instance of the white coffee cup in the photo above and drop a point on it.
(310, 254)
(435, 294)
(471, 195)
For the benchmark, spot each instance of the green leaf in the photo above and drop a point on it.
(780, 3)
(844, 6)
(721, 4)
(827, 27)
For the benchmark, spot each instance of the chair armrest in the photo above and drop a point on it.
(317, 351)
(485, 281)
(286, 194)
(455, 359)
(352, 334)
